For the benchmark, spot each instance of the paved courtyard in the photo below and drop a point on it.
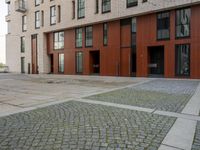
(104, 113)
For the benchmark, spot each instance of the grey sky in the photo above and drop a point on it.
(3, 29)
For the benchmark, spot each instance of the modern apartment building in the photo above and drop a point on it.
(104, 37)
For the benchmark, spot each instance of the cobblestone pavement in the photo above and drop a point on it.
(196, 142)
(75, 125)
(167, 95)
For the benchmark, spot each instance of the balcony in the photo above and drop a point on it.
(20, 6)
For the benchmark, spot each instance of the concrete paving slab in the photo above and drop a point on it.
(181, 134)
(165, 147)
(8, 108)
(193, 105)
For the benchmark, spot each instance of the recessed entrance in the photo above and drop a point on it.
(156, 61)
(95, 62)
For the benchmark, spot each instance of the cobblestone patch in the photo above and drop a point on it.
(80, 126)
(170, 86)
(164, 95)
(196, 142)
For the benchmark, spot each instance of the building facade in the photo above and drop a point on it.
(104, 37)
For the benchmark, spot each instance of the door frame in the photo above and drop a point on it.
(34, 64)
(162, 47)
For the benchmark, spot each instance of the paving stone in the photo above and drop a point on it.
(164, 95)
(196, 142)
(76, 125)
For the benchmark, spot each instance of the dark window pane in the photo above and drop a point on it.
(183, 22)
(163, 25)
(131, 3)
(88, 36)
(79, 62)
(183, 60)
(106, 6)
(79, 39)
(81, 8)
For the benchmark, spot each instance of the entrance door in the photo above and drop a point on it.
(95, 62)
(34, 54)
(156, 60)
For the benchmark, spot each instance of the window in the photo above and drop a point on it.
(163, 25)
(131, 3)
(183, 22)
(22, 64)
(59, 13)
(79, 62)
(37, 2)
(105, 34)
(97, 7)
(61, 63)
(42, 18)
(37, 19)
(88, 36)
(24, 21)
(8, 8)
(53, 15)
(79, 37)
(106, 6)
(58, 40)
(73, 9)
(133, 32)
(183, 60)
(22, 4)
(22, 44)
(81, 9)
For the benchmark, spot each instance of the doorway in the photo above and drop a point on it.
(34, 54)
(95, 62)
(156, 61)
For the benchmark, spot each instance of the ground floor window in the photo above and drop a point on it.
(79, 62)
(61, 63)
(183, 60)
(22, 64)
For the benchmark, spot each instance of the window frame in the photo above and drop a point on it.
(76, 37)
(176, 24)
(76, 59)
(167, 38)
(37, 19)
(22, 44)
(58, 34)
(79, 9)
(51, 16)
(24, 23)
(96, 6)
(89, 36)
(37, 2)
(105, 34)
(102, 7)
(132, 4)
(189, 56)
(59, 63)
